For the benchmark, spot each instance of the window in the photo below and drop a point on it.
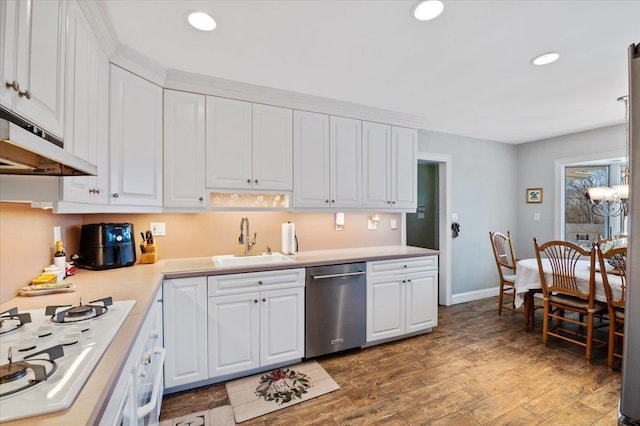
(582, 226)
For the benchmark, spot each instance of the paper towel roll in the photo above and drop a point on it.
(288, 238)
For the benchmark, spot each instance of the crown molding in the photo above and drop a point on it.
(98, 18)
(139, 64)
(202, 84)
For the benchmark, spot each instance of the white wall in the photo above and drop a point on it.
(483, 194)
(537, 169)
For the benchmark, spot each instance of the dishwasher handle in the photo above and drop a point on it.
(347, 274)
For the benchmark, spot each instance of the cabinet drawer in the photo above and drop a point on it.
(219, 285)
(401, 266)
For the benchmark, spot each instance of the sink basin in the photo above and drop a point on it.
(232, 261)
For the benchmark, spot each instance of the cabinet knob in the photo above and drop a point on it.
(97, 190)
(404, 281)
(248, 180)
(326, 201)
(12, 85)
(260, 282)
(264, 299)
(404, 266)
(393, 202)
(333, 201)
(256, 181)
(201, 199)
(115, 195)
(159, 301)
(26, 94)
(255, 300)
(388, 202)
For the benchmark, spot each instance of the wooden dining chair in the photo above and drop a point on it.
(506, 263)
(561, 294)
(617, 258)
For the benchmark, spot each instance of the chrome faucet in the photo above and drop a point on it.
(248, 244)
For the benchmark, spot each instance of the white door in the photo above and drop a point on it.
(234, 327)
(376, 152)
(311, 159)
(185, 330)
(87, 110)
(40, 63)
(272, 148)
(385, 307)
(422, 304)
(135, 148)
(184, 149)
(228, 144)
(346, 162)
(404, 167)
(281, 325)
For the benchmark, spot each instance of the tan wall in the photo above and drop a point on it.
(26, 235)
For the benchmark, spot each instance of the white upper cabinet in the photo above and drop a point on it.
(272, 152)
(389, 166)
(248, 146)
(228, 143)
(328, 161)
(87, 110)
(184, 149)
(135, 140)
(33, 61)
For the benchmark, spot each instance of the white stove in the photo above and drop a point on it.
(66, 342)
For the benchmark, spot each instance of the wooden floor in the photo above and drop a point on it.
(475, 368)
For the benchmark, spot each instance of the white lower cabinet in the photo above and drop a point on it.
(255, 320)
(402, 297)
(185, 325)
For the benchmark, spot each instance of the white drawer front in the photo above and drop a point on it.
(401, 266)
(219, 285)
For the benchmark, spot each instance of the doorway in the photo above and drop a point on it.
(438, 171)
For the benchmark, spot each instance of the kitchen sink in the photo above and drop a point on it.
(233, 261)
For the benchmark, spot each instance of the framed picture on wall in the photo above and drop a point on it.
(534, 195)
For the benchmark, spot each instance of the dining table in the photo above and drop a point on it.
(527, 282)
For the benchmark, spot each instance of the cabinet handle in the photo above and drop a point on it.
(255, 300)
(115, 195)
(264, 299)
(12, 85)
(26, 94)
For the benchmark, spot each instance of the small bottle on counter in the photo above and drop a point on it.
(60, 257)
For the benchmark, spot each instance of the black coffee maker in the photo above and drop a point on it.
(106, 246)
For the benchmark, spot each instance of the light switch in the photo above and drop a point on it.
(536, 217)
(394, 224)
(454, 217)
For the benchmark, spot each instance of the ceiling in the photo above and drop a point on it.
(467, 72)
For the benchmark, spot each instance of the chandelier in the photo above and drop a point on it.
(614, 200)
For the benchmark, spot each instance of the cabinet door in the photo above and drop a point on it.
(272, 148)
(184, 142)
(8, 28)
(385, 307)
(346, 162)
(234, 327)
(376, 152)
(311, 154)
(185, 330)
(228, 144)
(422, 305)
(281, 325)
(135, 140)
(87, 110)
(404, 168)
(40, 67)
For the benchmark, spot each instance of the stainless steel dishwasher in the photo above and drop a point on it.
(335, 308)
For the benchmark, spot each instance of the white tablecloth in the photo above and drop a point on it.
(528, 278)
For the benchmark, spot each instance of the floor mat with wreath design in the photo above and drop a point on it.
(266, 392)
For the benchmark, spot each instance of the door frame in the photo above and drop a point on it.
(444, 200)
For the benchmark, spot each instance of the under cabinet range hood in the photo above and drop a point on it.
(27, 150)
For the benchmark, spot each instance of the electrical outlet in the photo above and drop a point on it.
(158, 229)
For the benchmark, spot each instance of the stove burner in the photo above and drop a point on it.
(21, 375)
(11, 321)
(73, 314)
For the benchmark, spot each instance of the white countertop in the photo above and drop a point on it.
(140, 283)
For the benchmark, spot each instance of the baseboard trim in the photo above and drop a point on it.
(474, 295)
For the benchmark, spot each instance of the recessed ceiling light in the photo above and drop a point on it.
(427, 9)
(201, 21)
(545, 58)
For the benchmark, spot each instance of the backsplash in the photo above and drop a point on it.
(26, 235)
